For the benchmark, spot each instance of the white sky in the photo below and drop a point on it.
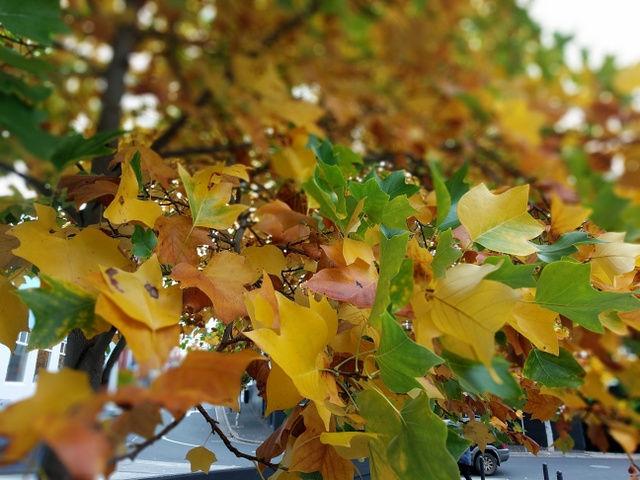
(602, 26)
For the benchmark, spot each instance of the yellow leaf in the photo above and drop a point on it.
(478, 433)
(209, 198)
(126, 207)
(222, 280)
(75, 258)
(268, 258)
(472, 309)
(612, 259)
(56, 394)
(518, 119)
(281, 391)
(201, 458)
(14, 315)
(566, 218)
(186, 385)
(627, 79)
(424, 326)
(354, 249)
(349, 445)
(294, 160)
(536, 323)
(144, 311)
(142, 295)
(499, 222)
(626, 435)
(299, 350)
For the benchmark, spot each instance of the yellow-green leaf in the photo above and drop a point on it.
(499, 222)
(209, 199)
(472, 309)
(14, 315)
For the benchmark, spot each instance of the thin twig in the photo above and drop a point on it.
(291, 24)
(160, 142)
(206, 149)
(139, 447)
(113, 359)
(218, 431)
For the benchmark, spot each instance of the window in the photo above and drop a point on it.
(18, 361)
(63, 351)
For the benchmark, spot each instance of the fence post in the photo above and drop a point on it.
(545, 472)
(482, 477)
(559, 475)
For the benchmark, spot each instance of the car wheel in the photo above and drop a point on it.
(490, 463)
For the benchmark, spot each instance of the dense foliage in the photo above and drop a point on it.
(388, 212)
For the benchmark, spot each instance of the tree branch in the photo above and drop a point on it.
(113, 359)
(291, 24)
(37, 184)
(139, 447)
(175, 127)
(206, 149)
(227, 443)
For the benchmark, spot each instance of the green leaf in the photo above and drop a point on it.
(395, 184)
(144, 241)
(401, 360)
(375, 199)
(456, 444)
(446, 254)
(327, 186)
(57, 311)
(12, 85)
(401, 288)
(457, 188)
(515, 276)
(608, 208)
(564, 246)
(476, 378)
(565, 287)
(420, 450)
(412, 444)
(38, 20)
(392, 252)
(75, 147)
(33, 65)
(552, 371)
(22, 121)
(396, 212)
(349, 162)
(137, 170)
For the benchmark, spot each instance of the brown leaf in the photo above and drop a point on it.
(8, 243)
(309, 454)
(85, 188)
(178, 240)
(541, 407)
(277, 441)
(222, 280)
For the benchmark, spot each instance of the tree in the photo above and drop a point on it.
(380, 205)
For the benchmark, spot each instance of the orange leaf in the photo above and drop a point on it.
(203, 376)
(178, 240)
(56, 394)
(541, 407)
(309, 454)
(222, 280)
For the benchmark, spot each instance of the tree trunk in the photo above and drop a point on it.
(85, 354)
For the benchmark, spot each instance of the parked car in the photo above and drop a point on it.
(494, 456)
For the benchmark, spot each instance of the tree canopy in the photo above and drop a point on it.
(389, 213)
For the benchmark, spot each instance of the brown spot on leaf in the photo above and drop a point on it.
(153, 291)
(111, 273)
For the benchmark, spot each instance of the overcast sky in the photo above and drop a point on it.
(602, 26)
